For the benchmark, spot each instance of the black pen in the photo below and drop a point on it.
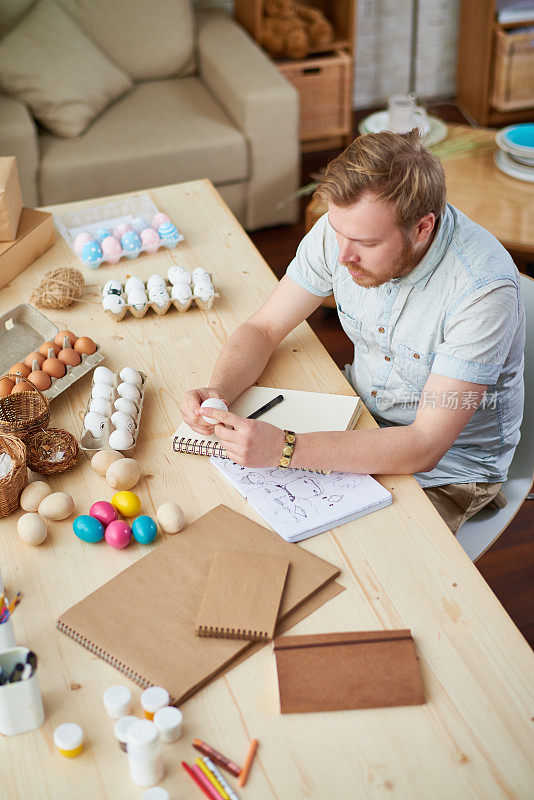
(266, 407)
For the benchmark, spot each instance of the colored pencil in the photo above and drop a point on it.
(212, 779)
(220, 777)
(248, 762)
(219, 759)
(211, 791)
(192, 774)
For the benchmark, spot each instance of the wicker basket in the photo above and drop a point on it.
(513, 78)
(43, 446)
(23, 412)
(324, 86)
(12, 485)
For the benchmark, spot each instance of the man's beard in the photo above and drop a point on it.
(369, 281)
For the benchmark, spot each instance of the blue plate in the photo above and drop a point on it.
(520, 135)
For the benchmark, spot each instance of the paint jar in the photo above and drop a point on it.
(144, 753)
(117, 701)
(68, 739)
(21, 705)
(7, 636)
(153, 699)
(168, 721)
(121, 729)
(155, 793)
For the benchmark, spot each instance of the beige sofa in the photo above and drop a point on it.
(197, 99)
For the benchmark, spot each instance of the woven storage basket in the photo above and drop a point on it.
(12, 485)
(513, 77)
(23, 412)
(43, 445)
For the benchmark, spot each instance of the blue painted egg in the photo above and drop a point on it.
(88, 529)
(131, 244)
(92, 254)
(102, 234)
(168, 234)
(144, 529)
(139, 224)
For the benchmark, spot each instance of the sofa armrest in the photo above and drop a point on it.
(265, 108)
(18, 137)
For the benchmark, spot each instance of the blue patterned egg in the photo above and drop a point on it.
(92, 254)
(102, 234)
(139, 224)
(131, 244)
(168, 234)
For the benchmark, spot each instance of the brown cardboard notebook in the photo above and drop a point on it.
(142, 621)
(335, 671)
(242, 596)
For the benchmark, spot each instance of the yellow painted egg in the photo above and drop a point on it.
(126, 503)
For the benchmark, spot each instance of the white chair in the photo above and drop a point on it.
(485, 527)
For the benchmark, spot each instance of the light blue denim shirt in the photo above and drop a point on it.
(458, 313)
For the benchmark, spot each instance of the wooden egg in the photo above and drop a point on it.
(57, 505)
(45, 347)
(85, 346)
(123, 474)
(54, 367)
(33, 494)
(69, 357)
(102, 460)
(170, 517)
(35, 356)
(6, 385)
(32, 528)
(40, 379)
(22, 386)
(59, 337)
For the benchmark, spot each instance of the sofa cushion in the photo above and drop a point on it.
(148, 40)
(49, 63)
(160, 133)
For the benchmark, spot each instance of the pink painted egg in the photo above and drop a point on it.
(103, 512)
(150, 240)
(80, 241)
(159, 219)
(118, 534)
(120, 229)
(111, 250)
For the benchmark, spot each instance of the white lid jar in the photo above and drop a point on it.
(68, 739)
(117, 701)
(121, 729)
(152, 699)
(144, 753)
(168, 721)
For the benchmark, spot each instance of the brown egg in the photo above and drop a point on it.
(22, 386)
(45, 347)
(21, 367)
(54, 367)
(61, 335)
(70, 357)
(35, 356)
(85, 346)
(40, 379)
(6, 384)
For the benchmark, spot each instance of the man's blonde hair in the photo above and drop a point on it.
(396, 167)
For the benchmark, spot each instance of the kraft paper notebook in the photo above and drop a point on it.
(302, 412)
(142, 621)
(335, 671)
(242, 596)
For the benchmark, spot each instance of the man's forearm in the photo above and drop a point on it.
(399, 450)
(241, 361)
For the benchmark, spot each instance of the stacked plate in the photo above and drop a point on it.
(515, 156)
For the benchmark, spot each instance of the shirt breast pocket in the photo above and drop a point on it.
(414, 366)
(353, 329)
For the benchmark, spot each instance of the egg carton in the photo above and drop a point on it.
(139, 313)
(88, 443)
(108, 215)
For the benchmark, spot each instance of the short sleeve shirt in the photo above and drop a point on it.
(458, 313)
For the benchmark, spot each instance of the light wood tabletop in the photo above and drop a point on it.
(401, 567)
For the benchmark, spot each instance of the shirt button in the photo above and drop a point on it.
(381, 330)
(373, 393)
(387, 358)
(416, 355)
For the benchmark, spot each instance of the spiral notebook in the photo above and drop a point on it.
(302, 412)
(242, 596)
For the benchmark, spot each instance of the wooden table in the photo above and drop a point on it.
(401, 568)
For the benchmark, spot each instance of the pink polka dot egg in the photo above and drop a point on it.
(159, 219)
(80, 241)
(150, 240)
(111, 250)
(120, 229)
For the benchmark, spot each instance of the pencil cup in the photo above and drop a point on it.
(21, 705)
(7, 636)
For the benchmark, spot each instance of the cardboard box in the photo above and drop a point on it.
(10, 199)
(35, 236)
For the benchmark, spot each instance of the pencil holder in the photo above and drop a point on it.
(7, 636)
(21, 705)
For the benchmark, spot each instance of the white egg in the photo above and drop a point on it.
(138, 299)
(94, 423)
(101, 390)
(155, 280)
(134, 283)
(178, 275)
(103, 375)
(160, 297)
(204, 292)
(112, 287)
(130, 375)
(100, 405)
(129, 391)
(120, 440)
(113, 303)
(199, 272)
(181, 292)
(122, 422)
(213, 402)
(126, 406)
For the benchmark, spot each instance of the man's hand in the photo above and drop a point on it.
(190, 409)
(248, 442)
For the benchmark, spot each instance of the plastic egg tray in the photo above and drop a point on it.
(109, 215)
(88, 443)
(139, 313)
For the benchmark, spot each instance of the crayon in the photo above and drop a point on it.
(219, 759)
(226, 786)
(248, 762)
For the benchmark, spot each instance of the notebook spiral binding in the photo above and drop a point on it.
(233, 633)
(105, 656)
(198, 447)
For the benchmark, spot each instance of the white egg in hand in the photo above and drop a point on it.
(126, 406)
(128, 391)
(130, 375)
(122, 422)
(213, 402)
(120, 440)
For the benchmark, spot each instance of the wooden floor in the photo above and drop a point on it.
(508, 566)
